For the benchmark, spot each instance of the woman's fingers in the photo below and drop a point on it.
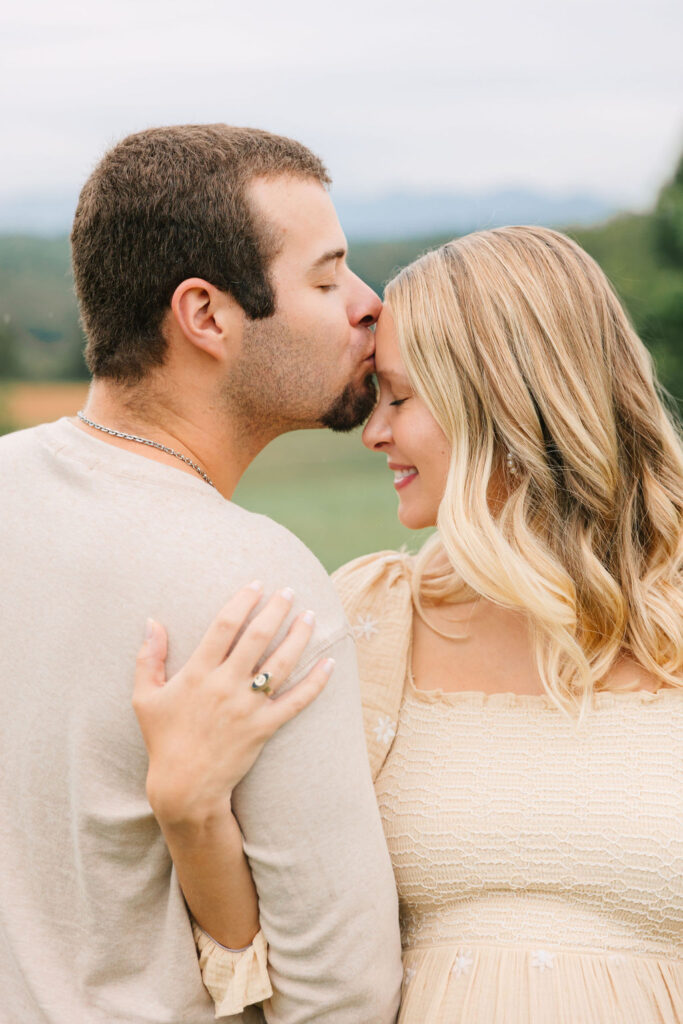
(224, 657)
(221, 634)
(257, 637)
(150, 664)
(205, 727)
(284, 658)
(292, 703)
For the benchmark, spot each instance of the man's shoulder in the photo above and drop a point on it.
(228, 543)
(21, 450)
(22, 455)
(265, 541)
(166, 513)
(223, 546)
(21, 440)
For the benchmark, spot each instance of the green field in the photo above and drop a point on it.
(331, 492)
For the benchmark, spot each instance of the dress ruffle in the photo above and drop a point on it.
(233, 978)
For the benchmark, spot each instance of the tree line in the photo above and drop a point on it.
(642, 254)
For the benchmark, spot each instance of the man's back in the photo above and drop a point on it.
(93, 926)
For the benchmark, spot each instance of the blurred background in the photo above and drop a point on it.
(434, 120)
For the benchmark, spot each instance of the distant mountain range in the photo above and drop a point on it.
(405, 215)
(43, 213)
(388, 216)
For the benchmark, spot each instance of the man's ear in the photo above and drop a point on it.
(208, 318)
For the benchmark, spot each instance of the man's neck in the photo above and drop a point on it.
(219, 447)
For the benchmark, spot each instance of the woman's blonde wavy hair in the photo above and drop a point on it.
(516, 342)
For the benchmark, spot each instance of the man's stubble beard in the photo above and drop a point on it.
(352, 407)
(274, 386)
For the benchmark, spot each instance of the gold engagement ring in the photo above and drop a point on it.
(260, 683)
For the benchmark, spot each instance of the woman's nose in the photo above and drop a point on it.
(376, 432)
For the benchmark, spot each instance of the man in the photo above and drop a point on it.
(219, 312)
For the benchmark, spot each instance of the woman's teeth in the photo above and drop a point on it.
(401, 474)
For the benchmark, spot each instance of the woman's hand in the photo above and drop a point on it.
(205, 727)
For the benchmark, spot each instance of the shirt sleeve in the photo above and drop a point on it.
(234, 978)
(376, 593)
(313, 836)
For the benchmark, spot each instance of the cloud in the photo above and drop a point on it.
(582, 93)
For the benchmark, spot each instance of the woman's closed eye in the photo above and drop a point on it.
(398, 401)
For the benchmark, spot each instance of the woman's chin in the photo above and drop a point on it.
(415, 518)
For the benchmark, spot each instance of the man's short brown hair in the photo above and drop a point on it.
(165, 205)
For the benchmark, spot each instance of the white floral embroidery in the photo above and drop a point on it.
(365, 628)
(385, 730)
(408, 975)
(542, 959)
(462, 964)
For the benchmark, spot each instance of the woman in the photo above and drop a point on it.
(523, 674)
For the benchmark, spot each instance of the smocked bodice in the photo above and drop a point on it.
(517, 832)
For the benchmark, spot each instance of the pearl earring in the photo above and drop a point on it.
(511, 464)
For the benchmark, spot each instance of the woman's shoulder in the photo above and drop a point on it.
(377, 597)
(379, 580)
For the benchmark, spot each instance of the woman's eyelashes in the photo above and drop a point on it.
(398, 401)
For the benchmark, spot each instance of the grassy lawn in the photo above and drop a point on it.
(331, 492)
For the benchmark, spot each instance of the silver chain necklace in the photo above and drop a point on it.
(152, 444)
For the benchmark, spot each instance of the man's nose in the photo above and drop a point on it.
(366, 307)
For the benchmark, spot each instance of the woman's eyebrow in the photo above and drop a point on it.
(395, 376)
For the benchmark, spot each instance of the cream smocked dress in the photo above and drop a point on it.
(538, 860)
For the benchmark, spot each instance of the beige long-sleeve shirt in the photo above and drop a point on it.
(92, 922)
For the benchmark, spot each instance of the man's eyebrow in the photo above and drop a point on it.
(327, 257)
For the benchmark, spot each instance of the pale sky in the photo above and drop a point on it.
(560, 95)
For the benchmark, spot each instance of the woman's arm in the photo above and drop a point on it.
(204, 729)
(215, 878)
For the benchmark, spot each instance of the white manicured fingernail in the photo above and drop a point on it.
(329, 666)
(308, 618)
(287, 593)
(152, 641)
(255, 585)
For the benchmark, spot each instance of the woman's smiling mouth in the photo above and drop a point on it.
(403, 475)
